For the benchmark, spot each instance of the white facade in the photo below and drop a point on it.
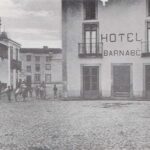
(10, 64)
(120, 33)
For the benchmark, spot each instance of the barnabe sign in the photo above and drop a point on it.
(121, 38)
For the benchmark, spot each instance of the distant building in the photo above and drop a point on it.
(106, 48)
(10, 64)
(42, 64)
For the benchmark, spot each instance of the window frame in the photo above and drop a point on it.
(84, 33)
(37, 65)
(48, 75)
(85, 10)
(37, 58)
(37, 76)
(148, 7)
(48, 68)
(28, 58)
(28, 70)
(48, 58)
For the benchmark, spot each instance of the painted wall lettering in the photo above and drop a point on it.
(122, 53)
(120, 37)
(130, 37)
(104, 38)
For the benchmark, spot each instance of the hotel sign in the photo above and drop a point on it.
(121, 38)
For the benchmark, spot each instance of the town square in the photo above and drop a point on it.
(75, 75)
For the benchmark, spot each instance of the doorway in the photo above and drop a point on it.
(90, 82)
(121, 80)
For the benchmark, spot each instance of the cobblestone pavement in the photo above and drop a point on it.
(75, 125)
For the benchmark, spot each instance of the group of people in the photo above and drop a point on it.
(25, 90)
(40, 91)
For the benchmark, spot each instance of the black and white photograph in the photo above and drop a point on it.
(74, 74)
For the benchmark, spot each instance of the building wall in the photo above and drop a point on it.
(13, 53)
(8, 75)
(119, 16)
(55, 71)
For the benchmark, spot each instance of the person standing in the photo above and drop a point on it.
(9, 90)
(55, 91)
(18, 89)
(37, 91)
(44, 89)
(24, 90)
(41, 91)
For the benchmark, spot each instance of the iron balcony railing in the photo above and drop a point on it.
(90, 49)
(145, 48)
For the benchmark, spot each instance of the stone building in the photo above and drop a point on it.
(42, 65)
(106, 48)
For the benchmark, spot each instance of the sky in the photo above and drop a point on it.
(32, 23)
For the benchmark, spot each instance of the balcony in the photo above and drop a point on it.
(90, 50)
(15, 64)
(145, 47)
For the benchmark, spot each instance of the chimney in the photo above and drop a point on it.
(45, 47)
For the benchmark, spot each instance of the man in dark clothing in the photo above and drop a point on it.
(9, 90)
(55, 91)
(43, 85)
(37, 91)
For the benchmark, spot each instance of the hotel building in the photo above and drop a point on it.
(106, 48)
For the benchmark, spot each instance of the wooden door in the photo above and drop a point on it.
(147, 80)
(121, 80)
(91, 82)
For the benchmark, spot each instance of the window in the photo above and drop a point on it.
(48, 58)
(148, 36)
(28, 68)
(37, 58)
(17, 54)
(148, 7)
(48, 67)
(28, 57)
(37, 67)
(90, 9)
(48, 78)
(90, 38)
(37, 78)
(29, 80)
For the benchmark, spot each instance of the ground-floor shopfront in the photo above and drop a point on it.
(119, 80)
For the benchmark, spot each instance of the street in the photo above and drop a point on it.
(75, 125)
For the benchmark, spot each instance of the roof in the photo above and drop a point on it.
(4, 36)
(14, 42)
(41, 50)
(3, 46)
